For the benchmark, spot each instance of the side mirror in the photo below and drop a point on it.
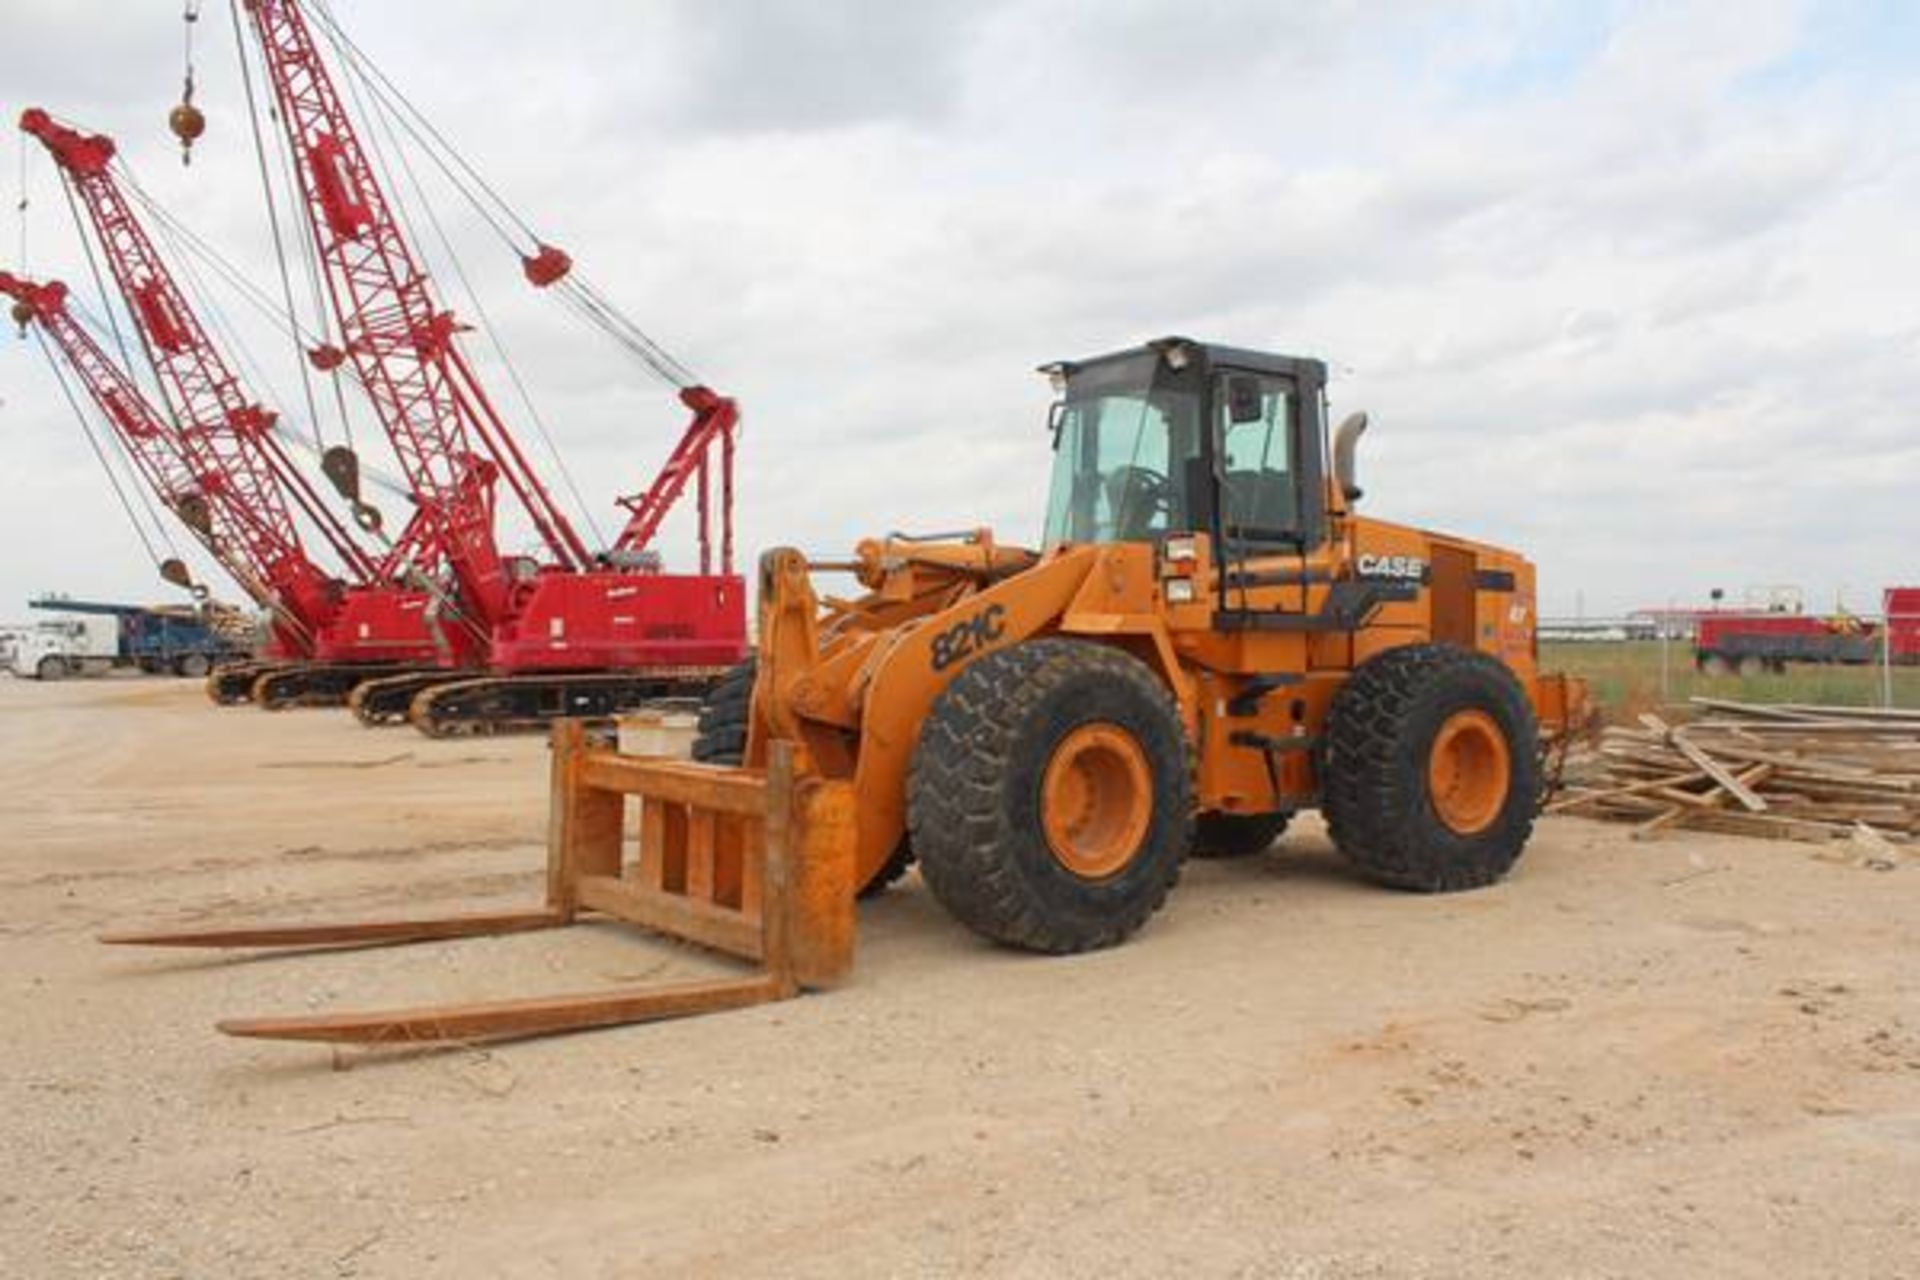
(1243, 399)
(1056, 419)
(1345, 441)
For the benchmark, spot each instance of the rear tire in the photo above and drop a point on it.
(721, 738)
(1399, 803)
(1237, 835)
(1050, 797)
(192, 666)
(1751, 667)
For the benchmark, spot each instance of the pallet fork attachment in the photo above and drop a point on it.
(754, 864)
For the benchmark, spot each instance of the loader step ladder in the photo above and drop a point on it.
(754, 864)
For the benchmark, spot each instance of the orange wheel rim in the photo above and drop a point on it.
(1096, 800)
(1469, 772)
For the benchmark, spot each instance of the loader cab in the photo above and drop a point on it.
(1180, 437)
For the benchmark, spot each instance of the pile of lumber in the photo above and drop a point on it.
(1789, 772)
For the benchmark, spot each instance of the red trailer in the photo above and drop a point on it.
(1752, 641)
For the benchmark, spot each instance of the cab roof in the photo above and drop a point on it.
(1212, 354)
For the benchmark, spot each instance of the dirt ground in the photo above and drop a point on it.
(1690, 1057)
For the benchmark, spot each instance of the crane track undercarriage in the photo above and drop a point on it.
(530, 703)
(444, 703)
(324, 684)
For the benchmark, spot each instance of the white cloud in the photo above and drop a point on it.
(1622, 286)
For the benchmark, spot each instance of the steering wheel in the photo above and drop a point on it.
(1136, 495)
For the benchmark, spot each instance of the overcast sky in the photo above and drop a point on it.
(1630, 288)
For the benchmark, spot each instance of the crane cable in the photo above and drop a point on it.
(21, 206)
(191, 242)
(594, 306)
(273, 219)
(492, 331)
(99, 280)
(272, 601)
(152, 365)
(383, 87)
(189, 247)
(398, 198)
(100, 455)
(309, 255)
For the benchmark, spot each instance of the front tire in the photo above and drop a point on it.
(51, 668)
(1050, 796)
(1431, 775)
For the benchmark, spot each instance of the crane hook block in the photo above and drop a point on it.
(195, 513)
(341, 466)
(326, 357)
(548, 266)
(187, 122)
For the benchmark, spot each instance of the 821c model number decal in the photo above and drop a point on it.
(969, 636)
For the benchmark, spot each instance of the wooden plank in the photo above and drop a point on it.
(1634, 788)
(512, 1019)
(1693, 799)
(1706, 763)
(584, 823)
(720, 928)
(753, 866)
(1751, 710)
(776, 923)
(701, 786)
(347, 933)
(700, 854)
(1716, 798)
(1659, 822)
(650, 866)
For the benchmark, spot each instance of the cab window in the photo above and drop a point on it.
(1259, 496)
(1121, 465)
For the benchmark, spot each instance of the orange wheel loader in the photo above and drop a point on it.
(1211, 640)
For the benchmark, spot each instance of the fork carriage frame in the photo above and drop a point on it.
(755, 864)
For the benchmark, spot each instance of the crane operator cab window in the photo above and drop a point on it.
(1127, 442)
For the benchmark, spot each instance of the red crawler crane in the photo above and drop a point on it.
(580, 633)
(226, 439)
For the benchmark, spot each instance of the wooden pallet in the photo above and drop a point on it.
(756, 865)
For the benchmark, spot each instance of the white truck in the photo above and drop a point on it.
(55, 648)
